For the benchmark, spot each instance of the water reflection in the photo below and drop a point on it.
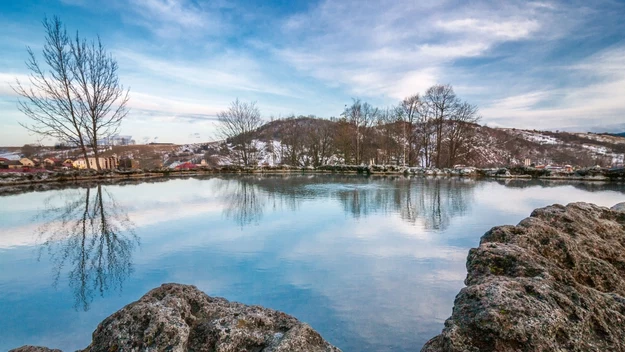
(434, 202)
(372, 263)
(243, 202)
(89, 236)
(590, 186)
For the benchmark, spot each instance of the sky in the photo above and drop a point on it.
(557, 65)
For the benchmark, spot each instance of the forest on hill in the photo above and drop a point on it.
(433, 130)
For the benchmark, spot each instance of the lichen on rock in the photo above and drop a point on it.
(554, 282)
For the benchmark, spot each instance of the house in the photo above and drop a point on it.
(27, 162)
(174, 165)
(554, 168)
(14, 164)
(128, 163)
(186, 166)
(51, 162)
(106, 163)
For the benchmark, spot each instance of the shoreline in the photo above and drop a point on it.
(73, 177)
(36, 182)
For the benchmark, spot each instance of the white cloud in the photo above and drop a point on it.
(7, 80)
(344, 44)
(224, 70)
(175, 18)
(509, 30)
(588, 105)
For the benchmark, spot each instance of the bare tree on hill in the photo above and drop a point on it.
(442, 103)
(460, 130)
(409, 113)
(362, 116)
(237, 124)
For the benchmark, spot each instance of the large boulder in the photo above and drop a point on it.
(178, 317)
(182, 318)
(554, 282)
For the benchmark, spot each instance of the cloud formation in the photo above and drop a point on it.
(532, 64)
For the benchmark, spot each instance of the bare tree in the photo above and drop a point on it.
(343, 139)
(76, 97)
(49, 101)
(292, 142)
(460, 131)
(362, 116)
(319, 141)
(101, 98)
(391, 135)
(442, 102)
(28, 150)
(236, 125)
(410, 111)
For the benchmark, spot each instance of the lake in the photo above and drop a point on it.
(372, 263)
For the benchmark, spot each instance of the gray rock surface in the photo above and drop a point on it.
(619, 207)
(33, 349)
(178, 317)
(554, 282)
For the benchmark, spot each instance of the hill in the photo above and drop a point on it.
(310, 141)
(484, 146)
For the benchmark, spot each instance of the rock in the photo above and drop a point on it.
(33, 349)
(554, 282)
(619, 207)
(177, 317)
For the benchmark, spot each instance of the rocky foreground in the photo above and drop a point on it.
(177, 318)
(554, 282)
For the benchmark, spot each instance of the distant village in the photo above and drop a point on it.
(157, 156)
(119, 152)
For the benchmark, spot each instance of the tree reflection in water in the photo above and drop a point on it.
(90, 236)
(243, 202)
(433, 202)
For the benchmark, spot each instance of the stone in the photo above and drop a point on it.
(554, 282)
(33, 349)
(178, 317)
(619, 207)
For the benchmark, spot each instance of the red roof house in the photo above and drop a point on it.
(186, 166)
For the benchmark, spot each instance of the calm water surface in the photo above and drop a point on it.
(373, 263)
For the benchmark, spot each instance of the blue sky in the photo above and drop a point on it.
(526, 64)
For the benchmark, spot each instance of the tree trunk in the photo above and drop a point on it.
(97, 156)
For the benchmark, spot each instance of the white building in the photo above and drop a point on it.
(106, 163)
(117, 140)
